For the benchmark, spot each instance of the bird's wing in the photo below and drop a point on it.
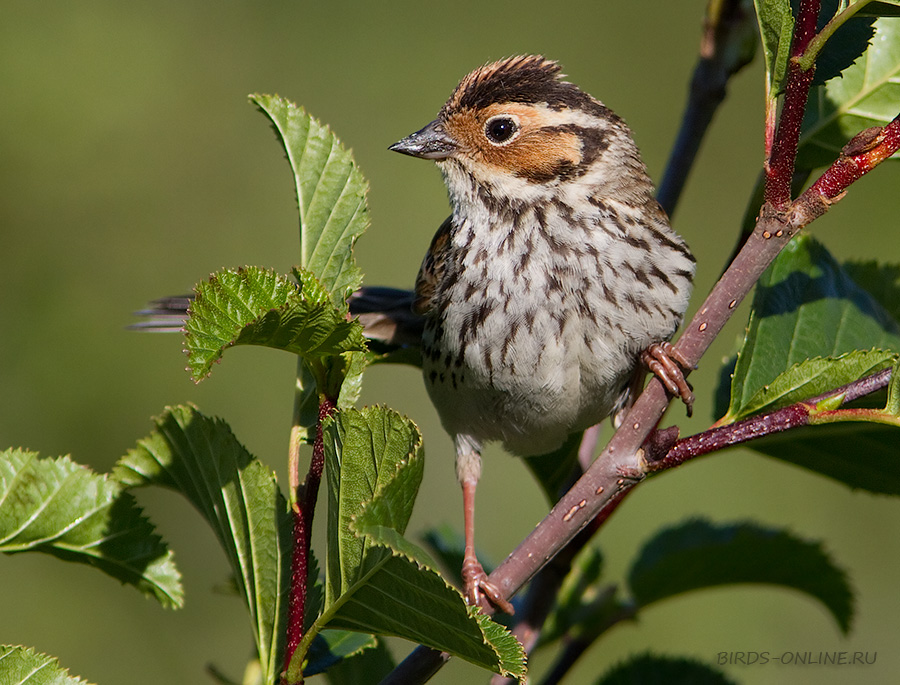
(432, 270)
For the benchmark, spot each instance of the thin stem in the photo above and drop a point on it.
(845, 415)
(307, 495)
(780, 165)
(815, 46)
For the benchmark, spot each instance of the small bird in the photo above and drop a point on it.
(556, 281)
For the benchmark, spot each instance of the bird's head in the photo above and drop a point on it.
(515, 126)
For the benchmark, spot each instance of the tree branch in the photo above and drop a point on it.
(729, 41)
(623, 463)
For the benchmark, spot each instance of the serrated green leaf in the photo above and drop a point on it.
(330, 647)
(814, 377)
(65, 509)
(845, 46)
(200, 458)
(867, 94)
(699, 554)
(805, 307)
(365, 451)
(331, 194)
(254, 306)
(404, 596)
(378, 582)
(859, 455)
(24, 666)
(776, 27)
(651, 669)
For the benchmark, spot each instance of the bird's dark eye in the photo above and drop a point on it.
(500, 129)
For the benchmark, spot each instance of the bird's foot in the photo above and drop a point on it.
(479, 590)
(668, 364)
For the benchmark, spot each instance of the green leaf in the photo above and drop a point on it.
(330, 647)
(331, 195)
(650, 669)
(883, 8)
(24, 666)
(881, 281)
(699, 554)
(238, 496)
(845, 46)
(776, 27)
(814, 377)
(805, 306)
(65, 509)
(866, 95)
(365, 450)
(858, 455)
(374, 465)
(370, 665)
(254, 306)
(431, 612)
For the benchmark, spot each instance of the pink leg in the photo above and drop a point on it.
(476, 585)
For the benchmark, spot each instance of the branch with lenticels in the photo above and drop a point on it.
(624, 462)
(622, 465)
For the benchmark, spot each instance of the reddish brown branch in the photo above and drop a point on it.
(793, 416)
(863, 153)
(780, 167)
(729, 37)
(307, 494)
(622, 465)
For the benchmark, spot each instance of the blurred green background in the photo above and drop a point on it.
(132, 166)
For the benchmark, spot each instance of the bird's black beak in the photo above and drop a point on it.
(432, 142)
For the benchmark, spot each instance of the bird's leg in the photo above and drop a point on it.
(668, 364)
(476, 585)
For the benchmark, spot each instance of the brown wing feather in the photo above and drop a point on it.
(432, 269)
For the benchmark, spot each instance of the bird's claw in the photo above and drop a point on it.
(478, 589)
(668, 364)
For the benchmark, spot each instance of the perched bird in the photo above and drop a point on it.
(554, 284)
(555, 281)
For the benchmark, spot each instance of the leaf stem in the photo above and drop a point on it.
(861, 414)
(795, 415)
(306, 497)
(809, 55)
